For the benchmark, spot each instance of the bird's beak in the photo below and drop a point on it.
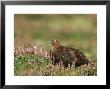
(51, 41)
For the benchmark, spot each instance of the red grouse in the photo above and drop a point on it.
(67, 56)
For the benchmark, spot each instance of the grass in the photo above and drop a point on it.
(31, 41)
(39, 66)
(35, 62)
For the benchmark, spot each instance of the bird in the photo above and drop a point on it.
(66, 55)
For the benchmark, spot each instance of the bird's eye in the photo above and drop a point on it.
(56, 40)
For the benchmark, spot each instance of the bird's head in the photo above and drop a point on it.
(55, 43)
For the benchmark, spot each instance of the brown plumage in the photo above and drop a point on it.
(68, 56)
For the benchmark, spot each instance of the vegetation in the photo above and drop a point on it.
(31, 41)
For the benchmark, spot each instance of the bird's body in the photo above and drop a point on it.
(68, 56)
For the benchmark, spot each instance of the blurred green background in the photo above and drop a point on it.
(73, 30)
